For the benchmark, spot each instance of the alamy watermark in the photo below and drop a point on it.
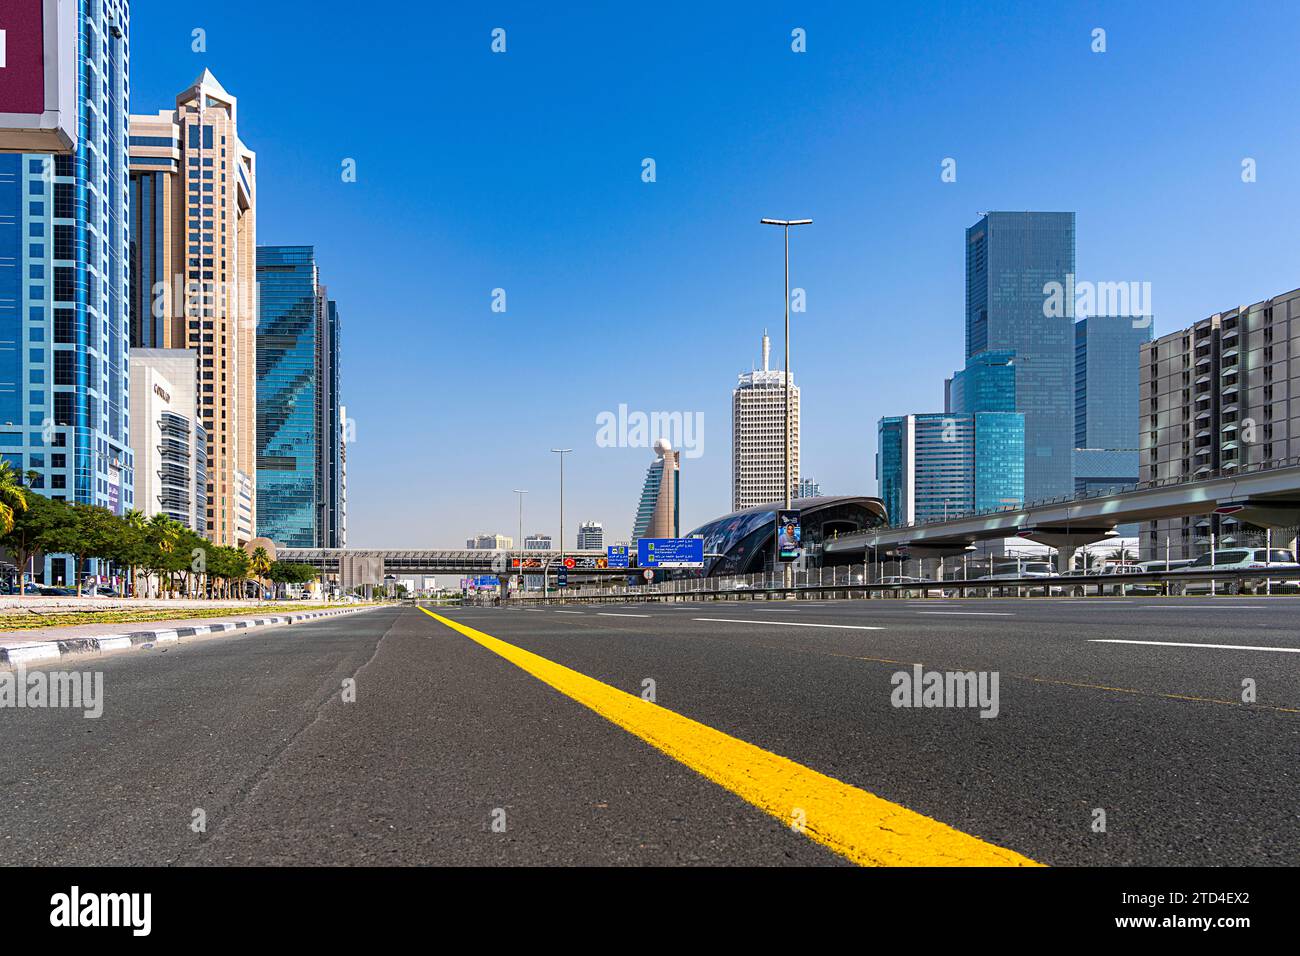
(77, 690)
(1082, 299)
(922, 688)
(637, 429)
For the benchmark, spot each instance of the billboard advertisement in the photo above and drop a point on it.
(38, 78)
(578, 563)
(789, 536)
(670, 552)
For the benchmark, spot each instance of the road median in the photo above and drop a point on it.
(14, 652)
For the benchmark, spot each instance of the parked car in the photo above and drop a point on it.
(1106, 570)
(1244, 559)
(1174, 564)
(909, 592)
(50, 591)
(1027, 569)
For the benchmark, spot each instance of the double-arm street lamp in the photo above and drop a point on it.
(786, 224)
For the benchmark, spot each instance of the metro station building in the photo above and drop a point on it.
(744, 542)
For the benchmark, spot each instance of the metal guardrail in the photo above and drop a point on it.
(1109, 491)
(1070, 583)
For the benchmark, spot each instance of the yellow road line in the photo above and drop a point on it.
(858, 825)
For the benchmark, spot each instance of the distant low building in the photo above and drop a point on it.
(807, 488)
(591, 536)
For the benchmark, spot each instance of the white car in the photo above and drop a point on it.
(1244, 559)
(1103, 570)
(1030, 569)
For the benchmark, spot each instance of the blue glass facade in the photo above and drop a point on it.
(331, 393)
(986, 384)
(1010, 259)
(890, 436)
(999, 460)
(64, 252)
(1106, 354)
(940, 465)
(290, 339)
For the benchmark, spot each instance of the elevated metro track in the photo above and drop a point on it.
(1266, 496)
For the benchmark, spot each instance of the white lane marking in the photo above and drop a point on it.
(570, 612)
(846, 627)
(607, 614)
(1221, 647)
(979, 613)
(1209, 607)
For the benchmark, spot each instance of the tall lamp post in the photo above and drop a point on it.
(786, 224)
(521, 492)
(561, 452)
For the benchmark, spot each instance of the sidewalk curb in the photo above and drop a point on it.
(49, 650)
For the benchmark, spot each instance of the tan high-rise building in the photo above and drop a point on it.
(758, 436)
(1216, 399)
(194, 278)
(658, 513)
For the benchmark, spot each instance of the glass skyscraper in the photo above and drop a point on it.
(64, 250)
(1106, 401)
(299, 431)
(658, 512)
(986, 384)
(940, 465)
(1010, 259)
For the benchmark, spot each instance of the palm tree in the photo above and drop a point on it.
(13, 495)
(138, 525)
(259, 563)
(164, 532)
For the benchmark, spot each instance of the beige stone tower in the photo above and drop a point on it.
(194, 278)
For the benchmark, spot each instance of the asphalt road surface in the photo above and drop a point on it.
(1127, 732)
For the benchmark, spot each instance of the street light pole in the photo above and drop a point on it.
(521, 492)
(561, 452)
(786, 224)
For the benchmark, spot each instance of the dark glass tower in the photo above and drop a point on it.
(1106, 402)
(299, 431)
(1011, 258)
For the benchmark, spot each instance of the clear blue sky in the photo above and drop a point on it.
(523, 171)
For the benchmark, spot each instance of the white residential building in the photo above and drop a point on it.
(168, 439)
(758, 436)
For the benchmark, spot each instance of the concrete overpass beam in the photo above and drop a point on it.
(1263, 512)
(1066, 541)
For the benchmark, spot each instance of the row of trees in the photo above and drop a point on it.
(167, 556)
